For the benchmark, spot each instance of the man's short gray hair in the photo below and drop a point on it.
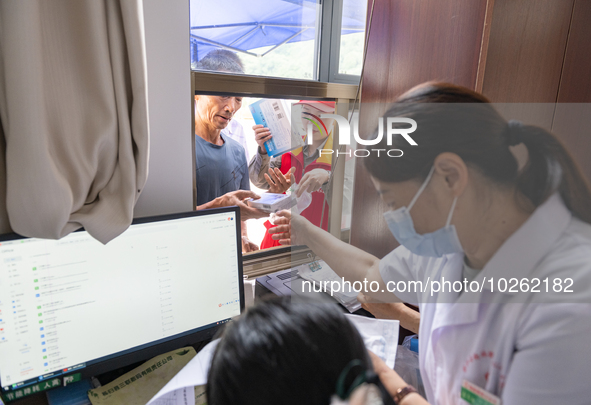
(221, 60)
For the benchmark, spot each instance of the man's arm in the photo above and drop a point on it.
(259, 165)
(261, 162)
(236, 198)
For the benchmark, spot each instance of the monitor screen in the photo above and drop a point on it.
(70, 304)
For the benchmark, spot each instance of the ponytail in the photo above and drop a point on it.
(458, 120)
(550, 168)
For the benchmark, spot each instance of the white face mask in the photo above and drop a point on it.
(435, 244)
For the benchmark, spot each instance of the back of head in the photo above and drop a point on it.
(221, 60)
(284, 353)
(455, 119)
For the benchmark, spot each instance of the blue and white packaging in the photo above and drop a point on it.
(271, 114)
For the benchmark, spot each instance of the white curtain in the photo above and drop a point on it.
(73, 116)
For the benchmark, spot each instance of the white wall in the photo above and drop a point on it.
(170, 179)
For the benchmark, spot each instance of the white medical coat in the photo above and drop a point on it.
(526, 348)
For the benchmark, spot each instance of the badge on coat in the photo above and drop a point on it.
(474, 395)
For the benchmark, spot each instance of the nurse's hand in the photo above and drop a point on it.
(289, 228)
(409, 318)
(312, 181)
(282, 229)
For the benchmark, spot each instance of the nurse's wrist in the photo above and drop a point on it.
(403, 395)
(412, 398)
(303, 230)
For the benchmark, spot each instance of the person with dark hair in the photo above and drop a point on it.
(496, 254)
(279, 352)
(221, 167)
(220, 149)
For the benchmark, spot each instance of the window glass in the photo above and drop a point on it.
(269, 37)
(244, 120)
(237, 163)
(352, 37)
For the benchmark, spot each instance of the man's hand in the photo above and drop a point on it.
(262, 135)
(278, 182)
(248, 245)
(238, 198)
(235, 198)
(312, 181)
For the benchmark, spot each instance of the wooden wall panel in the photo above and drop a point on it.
(525, 57)
(572, 120)
(575, 85)
(526, 50)
(410, 42)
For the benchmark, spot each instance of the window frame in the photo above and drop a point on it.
(330, 45)
(327, 47)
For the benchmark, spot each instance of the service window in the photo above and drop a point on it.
(282, 53)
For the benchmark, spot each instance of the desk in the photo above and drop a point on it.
(261, 292)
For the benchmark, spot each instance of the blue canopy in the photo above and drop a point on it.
(244, 25)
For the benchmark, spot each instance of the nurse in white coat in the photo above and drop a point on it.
(503, 253)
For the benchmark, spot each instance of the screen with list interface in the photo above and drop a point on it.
(67, 303)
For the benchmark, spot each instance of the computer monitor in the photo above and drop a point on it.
(75, 305)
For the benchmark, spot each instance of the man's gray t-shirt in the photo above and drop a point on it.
(220, 168)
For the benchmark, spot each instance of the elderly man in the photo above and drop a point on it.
(221, 165)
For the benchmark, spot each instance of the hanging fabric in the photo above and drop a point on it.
(74, 136)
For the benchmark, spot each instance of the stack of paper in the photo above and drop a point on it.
(139, 385)
(379, 335)
(188, 386)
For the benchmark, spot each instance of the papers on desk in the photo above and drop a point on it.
(140, 384)
(175, 378)
(379, 335)
(189, 384)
